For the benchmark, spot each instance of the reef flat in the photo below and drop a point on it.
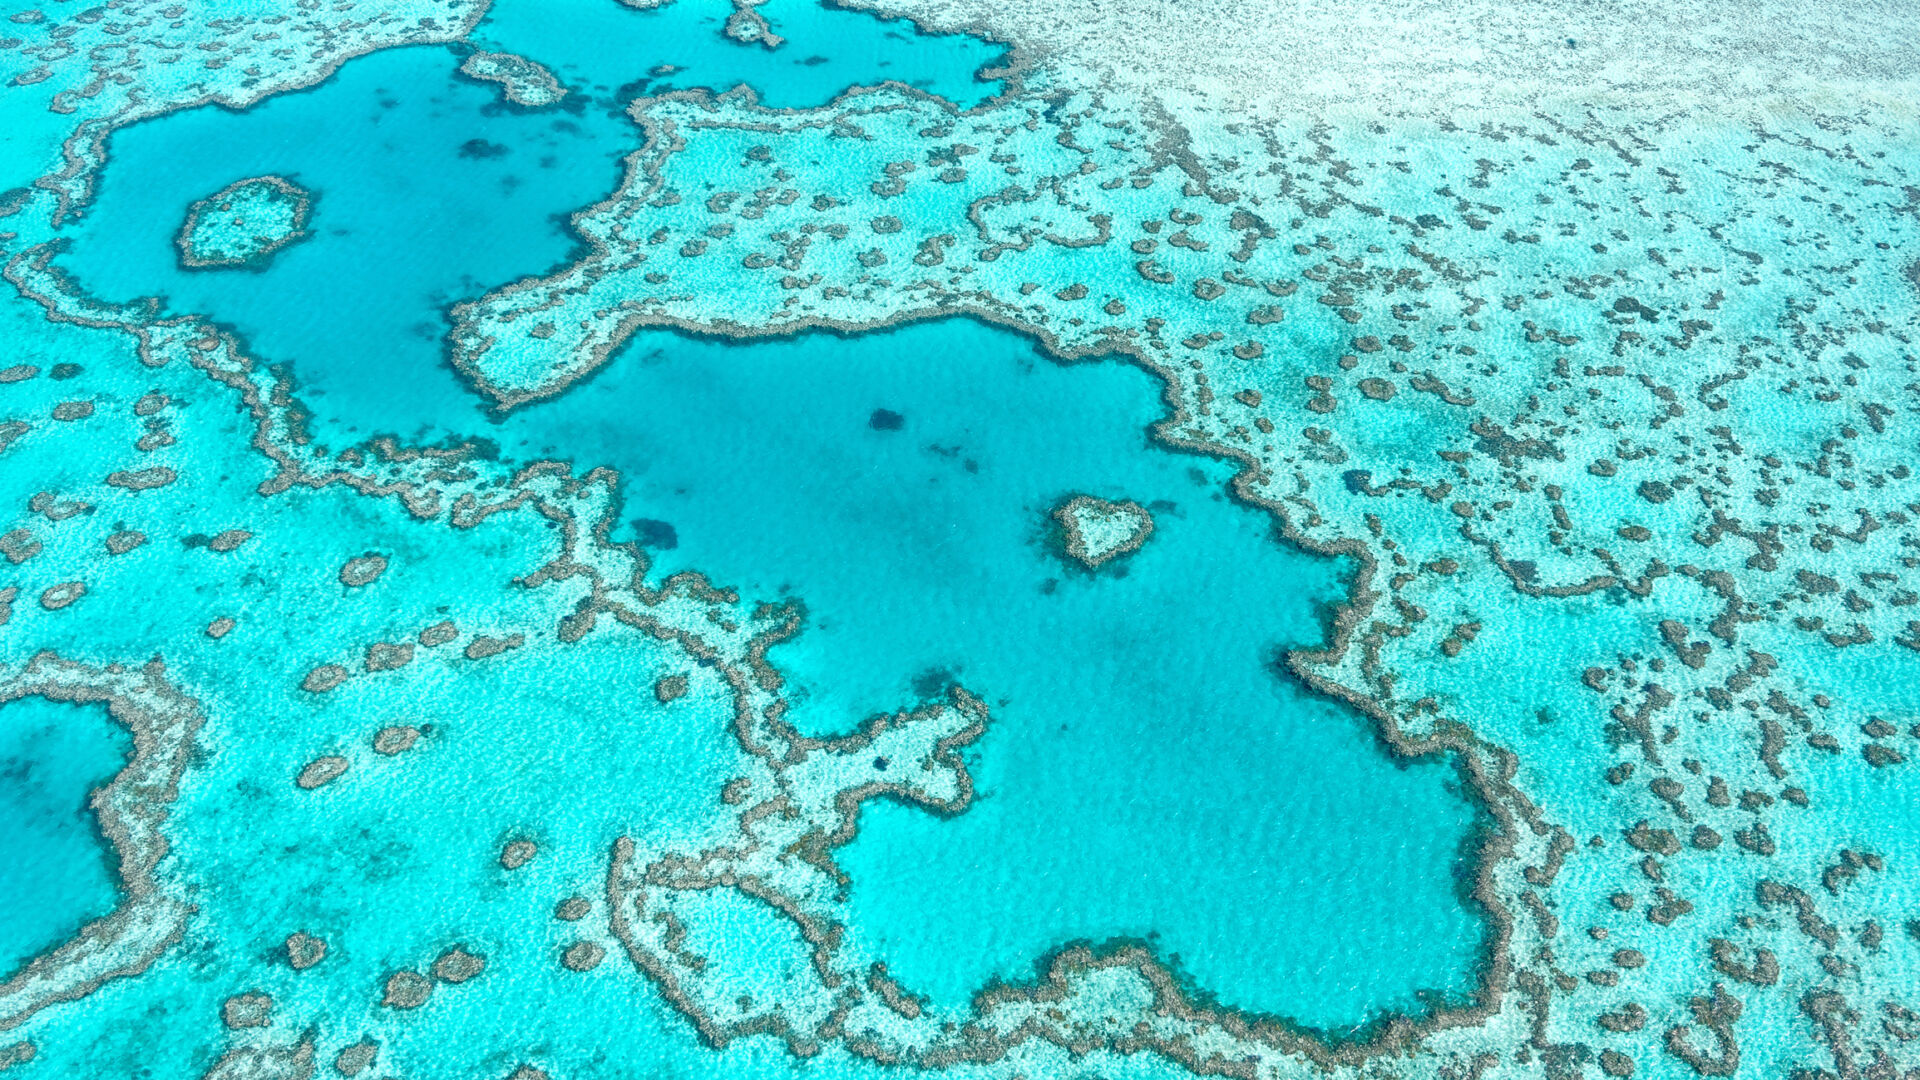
(244, 224)
(1096, 531)
(1522, 684)
(522, 81)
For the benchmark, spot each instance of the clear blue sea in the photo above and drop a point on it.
(1616, 403)
(59, 872)
(1149, 775)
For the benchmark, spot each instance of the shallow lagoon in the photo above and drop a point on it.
(1148, 772)
(593, 44)
(430, 189)
(59, 872)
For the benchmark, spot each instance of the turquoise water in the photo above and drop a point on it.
(1516, 352)
(1151, 775)
(1154, 779)
(954, 582)
(429, 190)
(59, 872)
(426, 190)
(604, 46)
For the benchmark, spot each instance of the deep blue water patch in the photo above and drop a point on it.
(432, 190)
(591, 45)
(58, 872)
(1148, 773)
(408, 218)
